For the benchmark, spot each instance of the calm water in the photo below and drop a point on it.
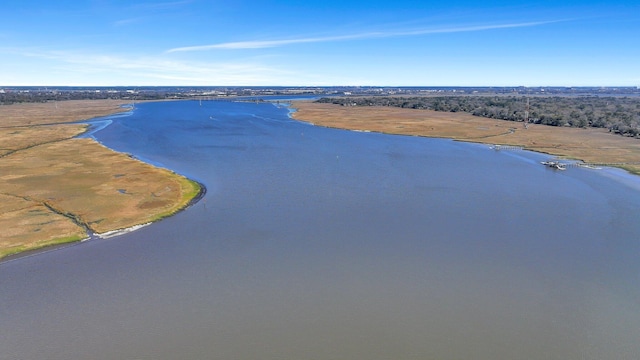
(315, 243)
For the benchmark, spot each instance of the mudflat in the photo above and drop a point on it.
(55, 188)
(590, 145)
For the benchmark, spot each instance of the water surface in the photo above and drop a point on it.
(315, 243)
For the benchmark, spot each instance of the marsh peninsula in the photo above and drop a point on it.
(56, 188)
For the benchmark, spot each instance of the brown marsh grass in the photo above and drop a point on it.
(54, 187)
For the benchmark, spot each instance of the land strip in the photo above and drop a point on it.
(590, 145)
(54, 188)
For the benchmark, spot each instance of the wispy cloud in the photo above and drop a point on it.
(161, 5)
(370, 35)
(150, 69)
(125, 22)
(273, 43)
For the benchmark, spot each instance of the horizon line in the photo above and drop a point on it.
(334, 86)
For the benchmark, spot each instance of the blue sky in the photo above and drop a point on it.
(319, 43)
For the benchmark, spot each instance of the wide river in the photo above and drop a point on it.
(316, 243)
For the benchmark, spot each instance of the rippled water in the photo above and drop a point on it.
(315, 243)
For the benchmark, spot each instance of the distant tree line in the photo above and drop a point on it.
(619, 115)
(15, 97)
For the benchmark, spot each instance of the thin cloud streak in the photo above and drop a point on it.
(273, 43)
(181, 72)
(125, 22)
(370, 35)
(161, 6)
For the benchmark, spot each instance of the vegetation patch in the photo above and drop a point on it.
(54, 188)
(56, 112)
(28, 225)
(618, 114)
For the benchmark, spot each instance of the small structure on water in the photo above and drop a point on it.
(555, 165)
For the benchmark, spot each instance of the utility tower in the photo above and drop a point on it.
(526, 115)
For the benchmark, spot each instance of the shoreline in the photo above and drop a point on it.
(117, 232)
(620, 174)
(98, 236)
(589, 146)
(195, 190)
